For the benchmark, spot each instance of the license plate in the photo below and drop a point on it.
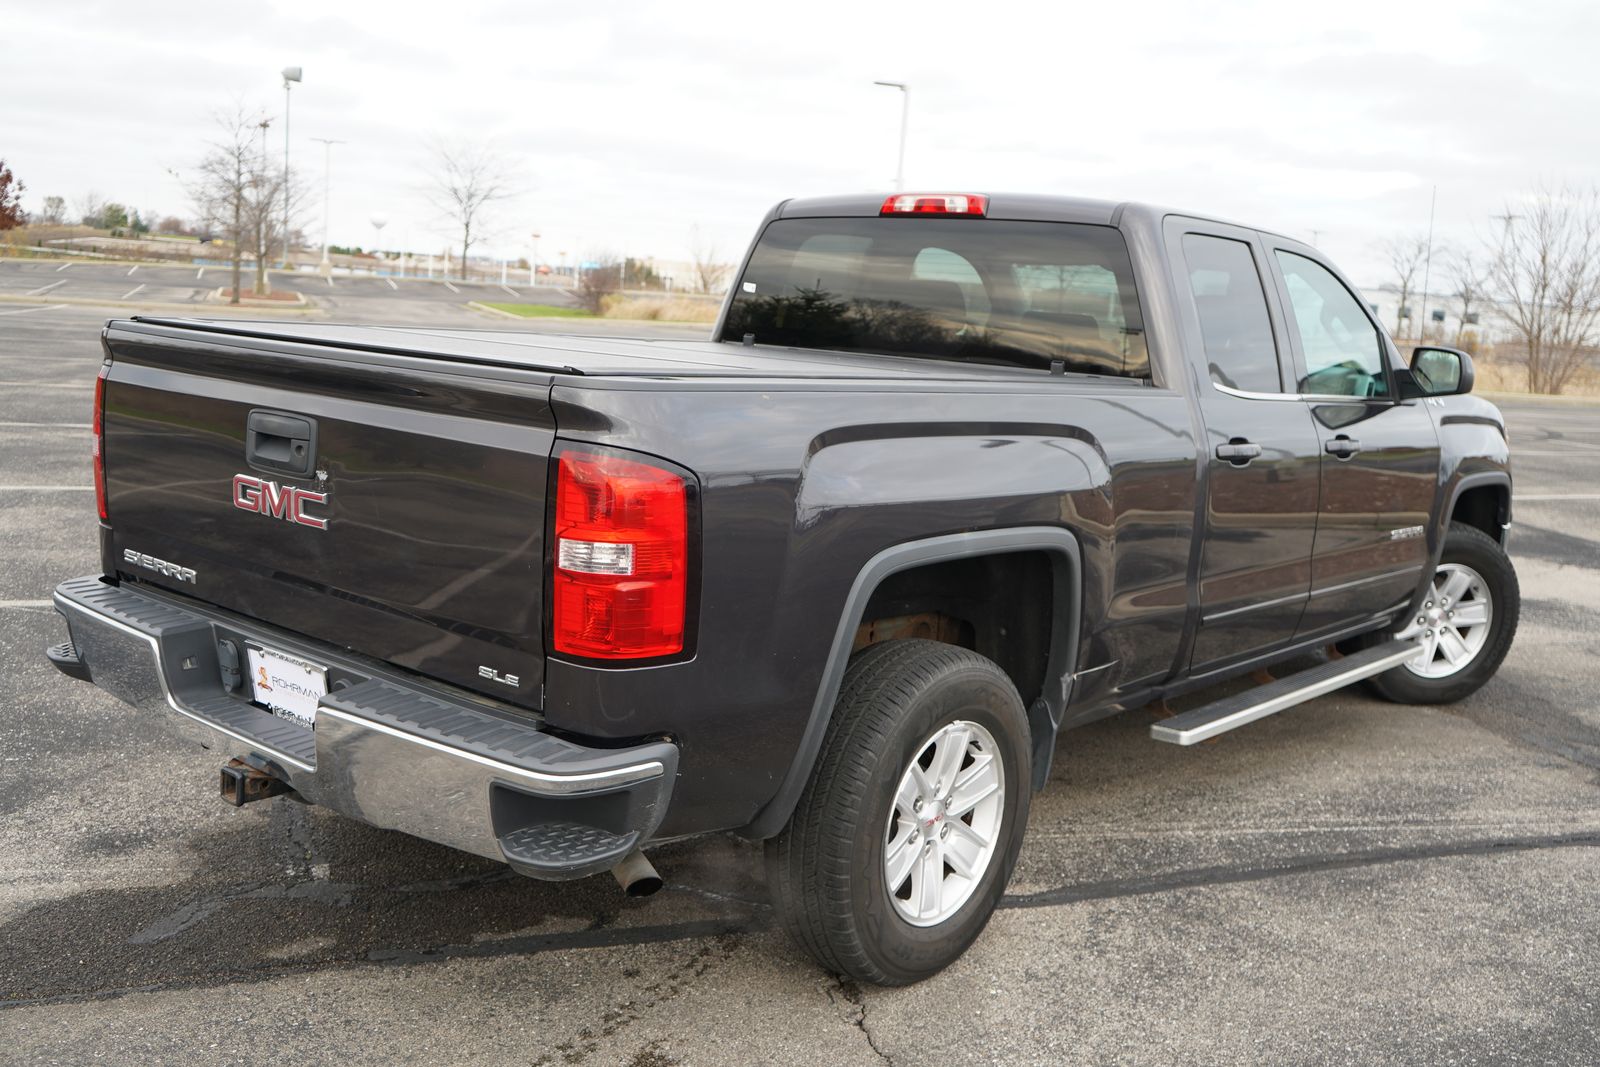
(289, 687)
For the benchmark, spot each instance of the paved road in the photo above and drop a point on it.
(1348, 882)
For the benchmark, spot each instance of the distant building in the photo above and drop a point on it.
(1443, 313)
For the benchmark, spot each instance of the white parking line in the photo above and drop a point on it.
(452, 288)
(510, 290)
(45, 288)
(1569, 453)
(330, 281)
(130, 292)
(25, 604)
(392, 285)
(1521, 497)
(46, 488)
(131, 270)
(29, 311)
(201, 273)
(63, 267)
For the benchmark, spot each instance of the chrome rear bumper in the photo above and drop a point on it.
(387, 749)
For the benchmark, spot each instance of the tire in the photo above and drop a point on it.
(827, 870)
(1472, 557)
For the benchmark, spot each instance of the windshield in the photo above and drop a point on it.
(1027, 294)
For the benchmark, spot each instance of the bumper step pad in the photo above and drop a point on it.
(558, 847)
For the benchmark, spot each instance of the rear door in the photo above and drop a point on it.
(1379, 455)
(1261, 448)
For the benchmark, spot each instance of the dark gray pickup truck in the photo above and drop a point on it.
(954, 473)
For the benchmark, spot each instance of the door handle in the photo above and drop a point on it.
(1342, 446)
(275, 441)
(1238, 451)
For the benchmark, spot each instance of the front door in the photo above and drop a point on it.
(1261, 446)
(1380, 456)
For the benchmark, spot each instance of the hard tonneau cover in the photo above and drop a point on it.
(557, 354)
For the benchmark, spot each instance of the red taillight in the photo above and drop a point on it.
(99, 440)
(621, 558)
(935, 204)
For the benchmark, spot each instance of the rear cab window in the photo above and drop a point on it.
(1043, 295)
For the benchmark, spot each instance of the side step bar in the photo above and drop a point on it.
(1229, 713)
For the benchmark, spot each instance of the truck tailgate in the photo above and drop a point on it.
(415, 535)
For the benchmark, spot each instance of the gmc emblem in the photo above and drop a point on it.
(286, 502)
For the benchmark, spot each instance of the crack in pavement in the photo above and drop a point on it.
(857, 1016)
(605, 936)
(1202, 877)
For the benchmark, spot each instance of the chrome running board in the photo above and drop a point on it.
(1230, 713)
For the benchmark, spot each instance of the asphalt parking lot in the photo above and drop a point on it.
(159, 288)
(1347, 882)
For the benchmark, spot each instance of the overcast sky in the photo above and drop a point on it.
(627, 123)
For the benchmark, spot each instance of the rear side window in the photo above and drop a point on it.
(1023, 294)
(1232, 307)
(1343, 354)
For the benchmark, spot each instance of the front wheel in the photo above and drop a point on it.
(905, 838)
(1465, 625)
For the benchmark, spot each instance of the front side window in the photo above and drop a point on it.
(1232, 306)
(1343, 352)
(1024, 294)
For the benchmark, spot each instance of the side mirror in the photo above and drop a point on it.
(1441, 371)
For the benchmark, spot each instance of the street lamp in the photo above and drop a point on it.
(905, 114)
(290, 74)
(327, 204)
(533, 264)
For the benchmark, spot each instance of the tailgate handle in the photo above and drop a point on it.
(285, 444)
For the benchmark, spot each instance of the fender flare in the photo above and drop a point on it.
(1473, 481)
(1044, 716)
(1499, 478)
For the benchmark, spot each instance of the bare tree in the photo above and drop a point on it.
(599, 281)
(467, 180)
(91, 208)
(264, 210)
(55, 211)
(222, 185)
(1545, 269)
(1468, 284)
(1406, 254)
(709, 274)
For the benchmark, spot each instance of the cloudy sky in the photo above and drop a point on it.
(626, 124)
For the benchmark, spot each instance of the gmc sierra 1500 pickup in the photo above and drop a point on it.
(953, 474)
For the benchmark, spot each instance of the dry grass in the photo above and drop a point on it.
(660, 308)
(1497, 376)
(15, 242)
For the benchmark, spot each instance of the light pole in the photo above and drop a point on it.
(263, 209)
(905, 115)
(290, 74)
(533, 264)
(327, 204)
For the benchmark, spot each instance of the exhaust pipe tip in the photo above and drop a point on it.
(636, 875)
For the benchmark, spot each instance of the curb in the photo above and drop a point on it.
(487, 310)
(158, 305)
(216, 297)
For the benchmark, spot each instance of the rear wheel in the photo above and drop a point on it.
(1465, 626)
(905, 838)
